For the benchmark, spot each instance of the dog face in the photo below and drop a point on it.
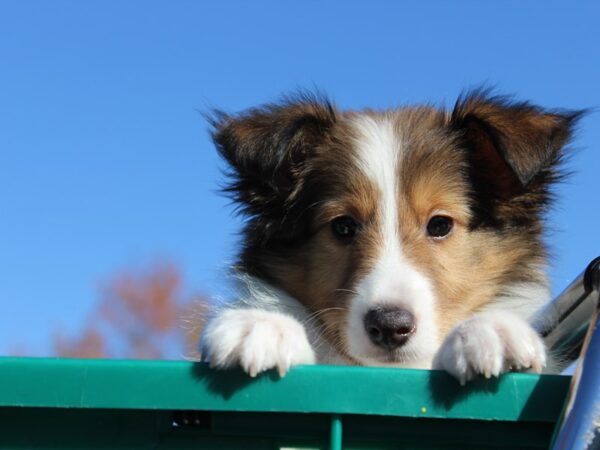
(393, 226)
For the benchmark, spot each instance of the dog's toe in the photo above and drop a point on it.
(490, 344)
(257, 341)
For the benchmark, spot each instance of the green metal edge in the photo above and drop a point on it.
(126, 384)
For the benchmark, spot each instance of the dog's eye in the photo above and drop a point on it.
(344, 228)
(439, 227)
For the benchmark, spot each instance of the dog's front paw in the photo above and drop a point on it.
(489, 344)
(256, 340)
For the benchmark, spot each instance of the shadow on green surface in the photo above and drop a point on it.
(447, 391)
(540, 403)
(227, 383)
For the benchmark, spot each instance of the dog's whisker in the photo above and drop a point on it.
(317, 314)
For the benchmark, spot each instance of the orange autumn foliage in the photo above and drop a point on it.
(140, 314)
(90, 344)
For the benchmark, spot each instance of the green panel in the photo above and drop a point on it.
(42, 428)
(71, 383)
(67, 428)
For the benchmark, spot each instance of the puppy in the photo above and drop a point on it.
(409, 237)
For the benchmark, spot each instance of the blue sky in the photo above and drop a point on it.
(105, 161)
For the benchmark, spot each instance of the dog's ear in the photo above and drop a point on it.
(510, 144)
(268, 149)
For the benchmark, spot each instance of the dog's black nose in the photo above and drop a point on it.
(389, 328)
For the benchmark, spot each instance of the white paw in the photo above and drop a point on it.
(256, 340)
(488, 344)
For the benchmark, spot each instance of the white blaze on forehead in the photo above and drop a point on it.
(378, 157)
(392, 281)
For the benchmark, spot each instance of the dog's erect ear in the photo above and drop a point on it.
(510, 143)
(268, 149)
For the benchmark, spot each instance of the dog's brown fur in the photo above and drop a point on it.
(488, 164)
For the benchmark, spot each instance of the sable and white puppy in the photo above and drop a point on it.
(409, 237)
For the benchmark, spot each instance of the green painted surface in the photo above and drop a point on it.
(107, 404)
(335, 435)
(315, 389)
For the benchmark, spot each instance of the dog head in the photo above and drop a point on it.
(392, 226)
